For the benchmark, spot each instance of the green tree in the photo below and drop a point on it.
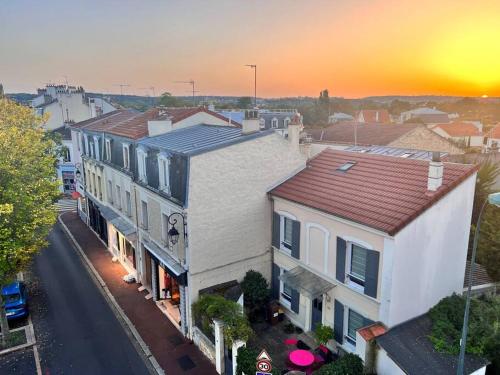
(166, 99)
(324, 98)
(484, 326)
(488, 247)
(349, 364)
(28, 190)
(244, 102)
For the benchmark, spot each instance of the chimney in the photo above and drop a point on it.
(435, 178)
(251, 122)
(294, 128)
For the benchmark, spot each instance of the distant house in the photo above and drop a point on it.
(373, 116)
(493, 139)
(338, 117)
(411, 136)
(67, 104)
(276, 119)
(464, 133)
(425, 115)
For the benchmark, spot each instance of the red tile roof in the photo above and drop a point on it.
(495, 132)
(373, 115)
(134, 125)
(459, 129)
(372, 331)
(381, 192)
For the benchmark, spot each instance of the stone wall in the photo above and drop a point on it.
(425, 139)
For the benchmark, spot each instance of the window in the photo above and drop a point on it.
(286, 122)
(144, 211)
(129, 203)
(110, 192)
(118, 197)
(262, 122)
(357, 265)
(141, 165)
(79, 141)
(164, 226)
(346, 166)
(164, 175)
(274, 123)
(108, 149)
(96, 147)
(285, 291)
(287, 233)
(91, 150)
(94, 184)
(99, 187)
(66, 155)
(355, 321)
(86, 144)
(126, 156)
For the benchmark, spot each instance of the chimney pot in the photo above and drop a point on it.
(435, 175)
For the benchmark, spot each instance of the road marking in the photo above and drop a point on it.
(37, 360)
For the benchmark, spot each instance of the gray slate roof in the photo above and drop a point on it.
(408, 345)
(199, 139)
(406, 153)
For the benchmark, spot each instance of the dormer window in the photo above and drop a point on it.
(262, 123)
(141, 164)
(164, 172)
(108, 149)
(126, 156)
(274, 123)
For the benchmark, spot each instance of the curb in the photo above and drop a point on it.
(116, 307)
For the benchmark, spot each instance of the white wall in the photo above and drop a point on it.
(229, 212)
(429, 256)
(385, 365)
(199, 118)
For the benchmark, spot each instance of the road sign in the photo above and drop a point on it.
(264, 356)
(262, 373)
(264, 365)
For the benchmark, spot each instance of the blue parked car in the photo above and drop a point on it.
(15, 299)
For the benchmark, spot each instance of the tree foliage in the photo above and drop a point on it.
(255, 289)
(323, 334)
(28, 188)
(166, 99)
(484, 326)
(213, 306)
(244, 102)
(349, 364)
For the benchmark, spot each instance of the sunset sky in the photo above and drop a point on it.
(354, 48)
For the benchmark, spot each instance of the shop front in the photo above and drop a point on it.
(98, 217)
(123, 237)
(166, 279)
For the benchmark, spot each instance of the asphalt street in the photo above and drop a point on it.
(76, 330)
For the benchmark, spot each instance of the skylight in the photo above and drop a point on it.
(346, 166)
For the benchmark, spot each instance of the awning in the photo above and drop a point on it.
(125, 228)
(306, 282)
(173, 266)
(107, 213)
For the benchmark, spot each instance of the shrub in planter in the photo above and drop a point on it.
(323, 334)
(256, 294)
(349, 364)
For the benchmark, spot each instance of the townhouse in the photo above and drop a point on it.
(182, 201)
(466, 134)
(361, 238)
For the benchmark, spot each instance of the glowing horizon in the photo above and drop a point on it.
(354, 48)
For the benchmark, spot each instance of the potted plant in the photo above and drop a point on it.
(323, 334)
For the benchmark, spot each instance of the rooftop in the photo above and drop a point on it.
(366, 133)
(495, 132)
(408, 345)
(425, 111)
(200, 138)
(381, 192)
(459, 129)
(394, 151)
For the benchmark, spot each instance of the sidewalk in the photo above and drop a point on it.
(174, 353)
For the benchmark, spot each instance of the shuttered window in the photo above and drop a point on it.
(358, 265)
(355, 321)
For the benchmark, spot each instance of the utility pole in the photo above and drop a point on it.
(254, 67)
(190, 82)
(122, 85)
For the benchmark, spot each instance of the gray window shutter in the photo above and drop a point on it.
(338, 322)
(295, 301)
(296, 239)
(371, 276)
(340, 268)
(367, 322)
(276, 230)
(275, 282)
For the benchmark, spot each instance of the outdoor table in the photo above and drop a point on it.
(301, 358)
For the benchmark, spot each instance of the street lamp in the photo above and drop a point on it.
(173, 233)
(493, 199)
(254, 67)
